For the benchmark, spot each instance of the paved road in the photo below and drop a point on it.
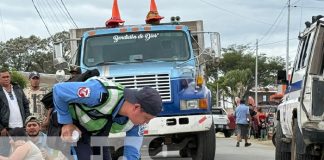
(226, 150)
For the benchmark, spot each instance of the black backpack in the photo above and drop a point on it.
(54, 129)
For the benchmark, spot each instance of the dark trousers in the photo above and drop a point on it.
(85, 151)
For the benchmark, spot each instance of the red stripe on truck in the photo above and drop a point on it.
(202, 119)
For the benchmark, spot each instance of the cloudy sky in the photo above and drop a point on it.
(238, 21)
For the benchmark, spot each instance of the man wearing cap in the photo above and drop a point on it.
(33, 130)
(34, 94)
(99, 106)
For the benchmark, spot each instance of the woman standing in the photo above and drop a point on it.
(23, 149)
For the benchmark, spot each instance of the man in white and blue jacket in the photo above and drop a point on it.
(99, 106)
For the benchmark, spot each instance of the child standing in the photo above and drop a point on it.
(263, 129)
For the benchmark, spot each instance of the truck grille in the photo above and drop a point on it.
(161, 82)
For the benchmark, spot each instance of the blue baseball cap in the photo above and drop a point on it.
(149, 99)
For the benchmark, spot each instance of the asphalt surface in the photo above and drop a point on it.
(226, 150)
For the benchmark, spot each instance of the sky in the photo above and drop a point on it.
(239, 22)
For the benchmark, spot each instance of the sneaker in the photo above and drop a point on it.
(238, 144)
(247, 144)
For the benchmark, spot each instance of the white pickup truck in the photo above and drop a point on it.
(221, 122)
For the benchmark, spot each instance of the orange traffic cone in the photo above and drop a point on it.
(153, 16)
(115, 19)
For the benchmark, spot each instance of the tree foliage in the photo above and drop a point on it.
(31, 53)
(237, 70)
(18, 78)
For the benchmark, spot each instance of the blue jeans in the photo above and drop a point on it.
(263, 134)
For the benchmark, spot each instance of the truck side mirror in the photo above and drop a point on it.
(215, 45)
(58, 59)
(281, 77)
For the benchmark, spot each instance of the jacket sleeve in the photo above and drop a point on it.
(133, 143)
(1, 126)
(87, 93)
(25, 104)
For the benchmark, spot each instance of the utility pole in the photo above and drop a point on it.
(256, 73)
(287, 52)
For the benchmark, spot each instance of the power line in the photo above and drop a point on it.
(275, 42)
(47, 14)
(301, 15)
(311, 7)
(295, 2)
(69, 14)
(3, 26)
(62, 12)
(42, 20)
(273, 24)
(230, 12)
(55, 16)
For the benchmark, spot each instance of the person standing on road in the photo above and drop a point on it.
(14, 108)
(34, 94)
(243, 119)
(99, 106)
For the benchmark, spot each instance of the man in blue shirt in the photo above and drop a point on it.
(99, 106)
(243, 119)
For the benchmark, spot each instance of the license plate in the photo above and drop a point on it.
(219, 126)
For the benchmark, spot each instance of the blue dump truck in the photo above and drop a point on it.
(168, 57)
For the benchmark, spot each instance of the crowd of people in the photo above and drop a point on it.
(93, 107)
(24, 120)
(250, 121)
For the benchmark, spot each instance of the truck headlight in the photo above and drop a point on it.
(193, 104)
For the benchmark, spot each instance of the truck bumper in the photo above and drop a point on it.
(221, 127)
(313, 132)
(178, 124)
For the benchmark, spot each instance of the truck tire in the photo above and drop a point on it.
(155, 146)
(293, 140)
(184, 153)
(227, 133)
(281, 154)
(117, 154)
(294, 146)
(206, 145)
(274, 139)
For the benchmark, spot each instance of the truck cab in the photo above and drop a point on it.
(162, 57)
(300, 131)
(169, 58)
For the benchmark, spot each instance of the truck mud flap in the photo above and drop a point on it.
(282, 148)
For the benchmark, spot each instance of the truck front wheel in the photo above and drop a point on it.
(206, 144)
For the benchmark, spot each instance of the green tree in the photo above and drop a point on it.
(18, 78)
(32, 53)
(241, 58)
(233, 84)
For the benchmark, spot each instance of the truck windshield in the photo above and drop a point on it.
(136, 47)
